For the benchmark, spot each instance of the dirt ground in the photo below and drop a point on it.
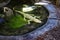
(51, 35)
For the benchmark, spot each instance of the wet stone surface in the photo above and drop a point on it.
(51, 23)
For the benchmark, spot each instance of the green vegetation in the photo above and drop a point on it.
(16, 22)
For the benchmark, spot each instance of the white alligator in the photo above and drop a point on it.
(9, 12)
(29, 17)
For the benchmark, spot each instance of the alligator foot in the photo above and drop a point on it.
(29, 21)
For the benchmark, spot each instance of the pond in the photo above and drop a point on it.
(25, 18)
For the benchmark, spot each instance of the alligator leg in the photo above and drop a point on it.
(35, 16)
(29, 21)
(24, 18)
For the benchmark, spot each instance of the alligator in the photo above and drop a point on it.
(29, 17)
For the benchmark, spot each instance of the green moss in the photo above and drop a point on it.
(16, 22)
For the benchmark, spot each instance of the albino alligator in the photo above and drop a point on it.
(9, 12)
(29, 17)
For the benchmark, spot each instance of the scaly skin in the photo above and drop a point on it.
(29, 17)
